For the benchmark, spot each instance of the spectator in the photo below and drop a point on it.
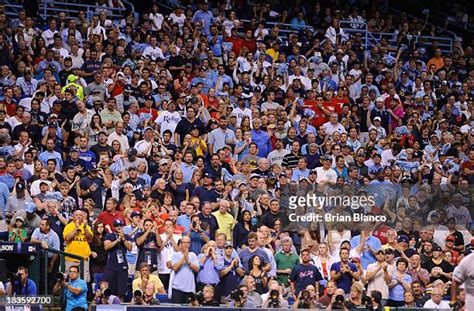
(183, 264)
(116, 245)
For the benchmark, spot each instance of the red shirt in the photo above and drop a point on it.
(338, 103)
(251, 45)
(237, 44)
(319, 117)
(381, 233)
(332, 107)
(9, 107)
(107, 218)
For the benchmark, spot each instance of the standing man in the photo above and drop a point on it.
(116, 270)
(225, 221)
(183, 265)
(379, 275)
(344, 272)
(77, 235)
(304, 274)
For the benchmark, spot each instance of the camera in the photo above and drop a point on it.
(61, 277)
(305, 300)
(338, 302)
(13, 277)
(107, 292)
(305, 294)
(137, 297)
(236, 295)
(273, 299)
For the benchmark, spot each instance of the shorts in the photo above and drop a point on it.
(87, 276)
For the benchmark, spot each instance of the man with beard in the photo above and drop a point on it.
(184, 126)
(304, 274)
(220, 137)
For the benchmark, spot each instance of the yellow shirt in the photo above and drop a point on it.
(273, 54)
(226, 224)
(137, 283)
(79, 245)
(196, 143)
(79, 89)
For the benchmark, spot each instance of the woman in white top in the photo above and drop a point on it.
(323, 261)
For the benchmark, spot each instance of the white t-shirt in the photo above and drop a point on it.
(276, 156)
(48, 36)
(168, 121)
(142, 145)
(326, 175)
(157, 19)
(241, 113)
(378, 282)
(153, 52)
(179, 20)
(331, 128)
(166, 252)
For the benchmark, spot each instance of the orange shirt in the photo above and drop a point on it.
(437, 61)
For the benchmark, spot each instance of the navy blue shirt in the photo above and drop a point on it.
(345, 281)
(117, 256)
(206, 195)
(303, 275)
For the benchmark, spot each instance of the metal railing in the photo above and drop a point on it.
(12, 8)
(62, 264)
(49, 8)
(371, 39)
(283, 27)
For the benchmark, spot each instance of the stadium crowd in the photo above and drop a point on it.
(165, 151)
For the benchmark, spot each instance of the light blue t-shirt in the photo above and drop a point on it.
(77, 301)
(367, 258)
(183, 279)
(397, 292)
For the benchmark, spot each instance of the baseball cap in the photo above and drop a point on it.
(135, 213)
(132, 168)
(118, 222)
(403, 238)
(436, 248)
(147, 128)
(30, 207)
(326, 157)
(228, 244)
(450, 238)
(94, 167)
(132, 152)
(377, 119)
(74, 149)
(127, 88)
(163, 162)
(254, 176)
(20, 186)
(208, 175)
(72, 78)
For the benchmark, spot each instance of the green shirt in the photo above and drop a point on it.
(19, 234)
(285, 261)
